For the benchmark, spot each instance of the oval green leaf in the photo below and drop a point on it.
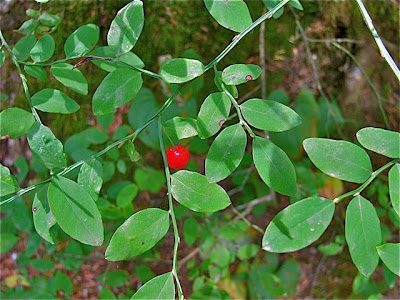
(43, 49)
(126, 28)
(41, 220)
(127, 195)
(394, 187)
(180, 70)
(233, 15)
(37, 72)
(381, 141)
(181, 127)
(54, 101)
(274, 166)
(8, 183)
(389, 253)
(269, 115)
(226, 153)
(161, 287)
(116, 89)
(48, 19)
(192, 190)
(240, 73)
(141, 232)
(363, 234)
(298, 225)
(75, 211)
(24, 46)
(340, 159)
(90, 177)
(213, 113)
(15, 122)
(71, 78)
(82, 40)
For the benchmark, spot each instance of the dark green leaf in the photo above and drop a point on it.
(149, 179)
(106, 294)
(129, 147)
(28, 26)
(240, 73)
(389, 253)
(43, 265)
(23, 168)
(128, 58)
(181, 127)
(15, 122)
(161, 287)
(248, 251)
(264, 285)
(43, 49)
(71, 78)
(32, 13)
(180, 70)
(82, 40)
(190, 230)
(126, 28)
(196, 193)
(269, 115)
(394, 187)
(75, 211)
(7, 242)
(90, 177)
(340, 159)
(63, 283)
(54, 101)
(41, 220)
(279, 96)
(381, 141)
(363, 234)
(274, 166)
(127, 195)
(117, 88)
(24, 46)
(226, 153)
(37, 72)
(298, 225)
(289, 274)
(8, 183)
(117, 278)
(141, 231)
(48, 19)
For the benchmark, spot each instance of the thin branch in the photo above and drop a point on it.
(262, 58)
(329, 41)
(184, 260)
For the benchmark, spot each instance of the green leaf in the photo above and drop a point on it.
(161, 287)
(7, 242)
(126, 28)
(264, 285)
(43, 265)
(48, 19)
(117, 88)
(240, 73)
(363, 234)
(141, 231)
(226, 153)
(232, 89)
(43, 49)
(289, 274)
(196, 193)
(394, 187)
(106, 294)
(149, 179)
(71, 78)
(269, 115)
(279, 96)
(340, 159)
(41, 220)
(32, 13)
(75, 211)
(190, 230)
(381, 141)
(127, 195)
(8, 183)
(248, 251)
(129, 147)
(2, 57)
(23, 168)
(90, 178)
(129, 58)
(15, 122)
(233, 15)
(46, 146)
(181, 127)
(28, 26)
(54, 101)
(24, 46)
(82, 40)
(213, 113)
(274, 166)
(389, 253)
(63, 283)
(298, 225)
(180, 70)
(117, 278)
(37, 72)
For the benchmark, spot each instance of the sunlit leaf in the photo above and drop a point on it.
(82, 40)
(15, 122)
(54, 101)
(180, 70)
(161, 287)
(71, 78)
(240, 73)
(381, 141)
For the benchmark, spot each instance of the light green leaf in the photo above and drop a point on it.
(8, 183)
(381, 141)
(126, 28)
(248, 251)
(232, 89)
(24, 46)
(82, 40)
(54, 101)
(129, 147)
(71, 78)
(363, 234)
(41, 220)
(117, 88)
(127, 195)
(226, 153)
(161, 287)
(75, 211)
(90, 177)
(394, 187)
(240, 73)
(129, 58)
(28, 26)
(32, 13)
(43, 49)
(15, 122)
(269, 115)
(274, 166)
(213, 113)
(389, 253)
(46, 146)
(37, 72)
(180, 70)
(48, 19)
(141, 231)
(233, 15)
(181, 127)
(340, 159)
(196, 193)
(2, 57)
(298, 225)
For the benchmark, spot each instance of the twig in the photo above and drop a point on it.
(328, 41)
(245, 179)
(256, 201)
(182, 261)
(262, 58)
(241, 216)
(248, 94)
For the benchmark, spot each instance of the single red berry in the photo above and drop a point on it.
(177, 157)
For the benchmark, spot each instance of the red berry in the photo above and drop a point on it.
(177, 157)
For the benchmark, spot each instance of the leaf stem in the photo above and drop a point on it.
(171, 211)
(374, 174)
